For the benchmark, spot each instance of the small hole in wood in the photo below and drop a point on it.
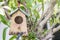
(18, 19)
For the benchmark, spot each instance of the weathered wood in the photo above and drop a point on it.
(17, 28)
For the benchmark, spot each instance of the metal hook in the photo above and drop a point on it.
(19, 35)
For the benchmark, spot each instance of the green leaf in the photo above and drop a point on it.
(13, 4)
(1, 0)
(29, 3)
(31, 35)
(22, 0)
(4, 33)
(39, 0)
(22, 7)
(58, 2)
(36, 14)
(3, 19)
(13, 37)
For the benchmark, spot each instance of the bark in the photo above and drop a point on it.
(56, 29)
(41, 22)
(48, 27)
(53, 31)
(52, 4)
(6, 11)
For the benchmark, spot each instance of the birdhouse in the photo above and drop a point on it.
(18, 23)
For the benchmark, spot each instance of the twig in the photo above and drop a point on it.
(40, 24)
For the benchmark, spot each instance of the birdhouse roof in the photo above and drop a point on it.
(20, 11)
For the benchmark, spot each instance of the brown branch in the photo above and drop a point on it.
(52, 4)
(43, 22)
(6, 13)
(48, 16)
(40, 23)
(56, 29)
(52, 30)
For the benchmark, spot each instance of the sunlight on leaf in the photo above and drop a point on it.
(3, 19)
(13, 37)
(4, 33)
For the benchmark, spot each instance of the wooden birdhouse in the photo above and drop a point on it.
(18, 23)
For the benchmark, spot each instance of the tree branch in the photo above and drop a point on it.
(54, 30)
(41, 22)
(50, 8)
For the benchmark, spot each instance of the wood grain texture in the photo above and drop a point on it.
(17, 28)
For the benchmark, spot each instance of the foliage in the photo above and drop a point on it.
(32, 6)
(3, 19)
(13, 37)
(31, 36)
(4, 33)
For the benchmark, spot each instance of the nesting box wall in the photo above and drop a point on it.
(18, 23)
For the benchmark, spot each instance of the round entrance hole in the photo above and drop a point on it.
(18, 19)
